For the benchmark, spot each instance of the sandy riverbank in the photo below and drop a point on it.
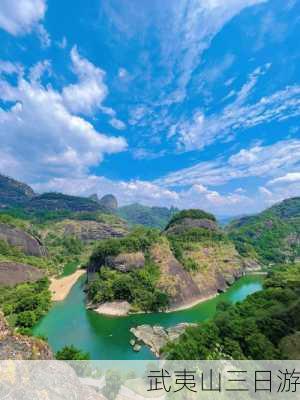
(60, 288)
(114, 308)
(193, 303)
(122, 308)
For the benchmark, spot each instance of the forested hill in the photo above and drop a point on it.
(272, 236)
(154, 217)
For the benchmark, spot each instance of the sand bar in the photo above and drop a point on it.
(60, 288)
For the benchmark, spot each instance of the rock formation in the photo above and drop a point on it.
(109, 202)
(126, 262)
(18, 347)
(18, 238)
(13, 193)
(156, 337)
(88, 231)
(12, 273)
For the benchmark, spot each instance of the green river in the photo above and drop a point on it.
(107, 338)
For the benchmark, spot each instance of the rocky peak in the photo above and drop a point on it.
(13, 192)
(109, 202)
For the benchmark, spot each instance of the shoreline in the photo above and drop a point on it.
(61, 287)
(111, 309)
(192, 304)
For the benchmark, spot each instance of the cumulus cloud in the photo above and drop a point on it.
(41, 138)
(19, 17)
(87, 94)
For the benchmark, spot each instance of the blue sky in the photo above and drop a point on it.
(191, 103)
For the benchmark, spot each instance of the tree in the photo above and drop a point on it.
(71, 353)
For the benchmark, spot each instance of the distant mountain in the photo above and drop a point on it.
(109, 202)
(155, 217)
(62, 202)
(13, 193)
(272, 236)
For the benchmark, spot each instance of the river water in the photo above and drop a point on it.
(107, 338)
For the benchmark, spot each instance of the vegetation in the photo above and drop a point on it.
(261, 327)
(192, 213)
(272, 236)
(71, 353)
(189, 240)
(25, 304)
(140, 239)
(154, 217)
(138, 286)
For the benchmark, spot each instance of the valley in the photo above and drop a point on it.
(76, 273)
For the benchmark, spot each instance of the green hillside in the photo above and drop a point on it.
(154, 217)
(264, 326)
(272, 236)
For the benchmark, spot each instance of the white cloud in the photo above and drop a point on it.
(19, 17)
(41, 138)
(258, 161)
(237, 116)
(44, 36)
(291, 177)
(39, 69)
(195, 24)
(63, 43)
(86, 96)
(117, 123)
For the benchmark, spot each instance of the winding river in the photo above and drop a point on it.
(68, 322)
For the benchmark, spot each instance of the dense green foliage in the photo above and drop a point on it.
(154, 217)
(253, 329)
(138, 287)
(272, 236)
(25, 304)
(140, 239)
(71, 353)
(192, 213)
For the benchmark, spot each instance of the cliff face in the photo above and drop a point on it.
(109, 202)
(89, 231)
(62, 202)
(19, 347)
(18, 238)
(218, 267)
(13, 273)
(13, 193)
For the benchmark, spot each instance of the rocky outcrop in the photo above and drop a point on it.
(126, 262)
(18, 347)
(62, 202)
(88, 231)
(190, 223)
(174, 280)
(24, 241)
(13, 193)
(109, 202)
(48, 381)
(12, 273)
(156, 337)
(218, 267)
